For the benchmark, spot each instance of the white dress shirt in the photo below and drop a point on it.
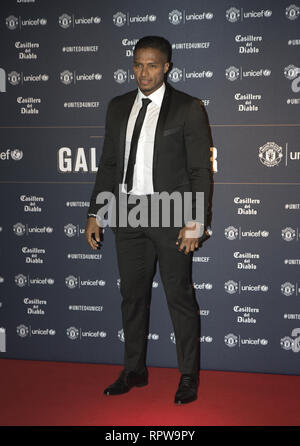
(142, 175)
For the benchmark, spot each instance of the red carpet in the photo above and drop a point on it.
(39, 393)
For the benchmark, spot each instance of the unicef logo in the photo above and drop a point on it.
(22, 330)
(120, 76)
(16, 154)
(70, 230)
(12, 22)
(233, 15)
(288, 234)
(119, 19)
(232, 73)
(72, 333)
(153, 336)
(71, 282)
(175, 75)
(267, 13)
(43, 22)
(231, 233)
(270, 154)
(291, 72)
(121, 335)
(292, 12)
(231, 340)
(231, 287)
(66, 77)
(65, 21)
(287, 289)
(20, 280)
(118, 283)
(175, 17)
(14, 78)
(19, 229)
(208, 286)
(97, 20)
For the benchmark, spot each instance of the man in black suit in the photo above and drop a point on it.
(157, 139)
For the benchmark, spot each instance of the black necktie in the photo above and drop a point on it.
(134, 142)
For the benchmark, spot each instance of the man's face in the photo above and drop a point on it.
(149, 67)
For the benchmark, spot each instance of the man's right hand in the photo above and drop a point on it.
(90, 229)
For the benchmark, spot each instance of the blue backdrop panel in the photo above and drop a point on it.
(60, 64)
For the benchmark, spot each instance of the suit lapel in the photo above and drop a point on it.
(126, 109)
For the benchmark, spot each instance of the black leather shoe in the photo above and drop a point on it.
(187, 389)
(126, 381)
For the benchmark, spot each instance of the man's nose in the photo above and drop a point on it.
(144, 72)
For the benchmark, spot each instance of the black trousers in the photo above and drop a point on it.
(138, 250)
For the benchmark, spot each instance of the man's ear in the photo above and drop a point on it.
(166, 67)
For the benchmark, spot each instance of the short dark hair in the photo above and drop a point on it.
(160, 43)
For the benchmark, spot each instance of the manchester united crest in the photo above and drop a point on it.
(270, 154)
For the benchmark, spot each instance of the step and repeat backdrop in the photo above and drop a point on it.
(60, 64)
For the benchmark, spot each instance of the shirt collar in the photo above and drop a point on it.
(156, 96)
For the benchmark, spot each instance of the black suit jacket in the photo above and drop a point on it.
(181, 156)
